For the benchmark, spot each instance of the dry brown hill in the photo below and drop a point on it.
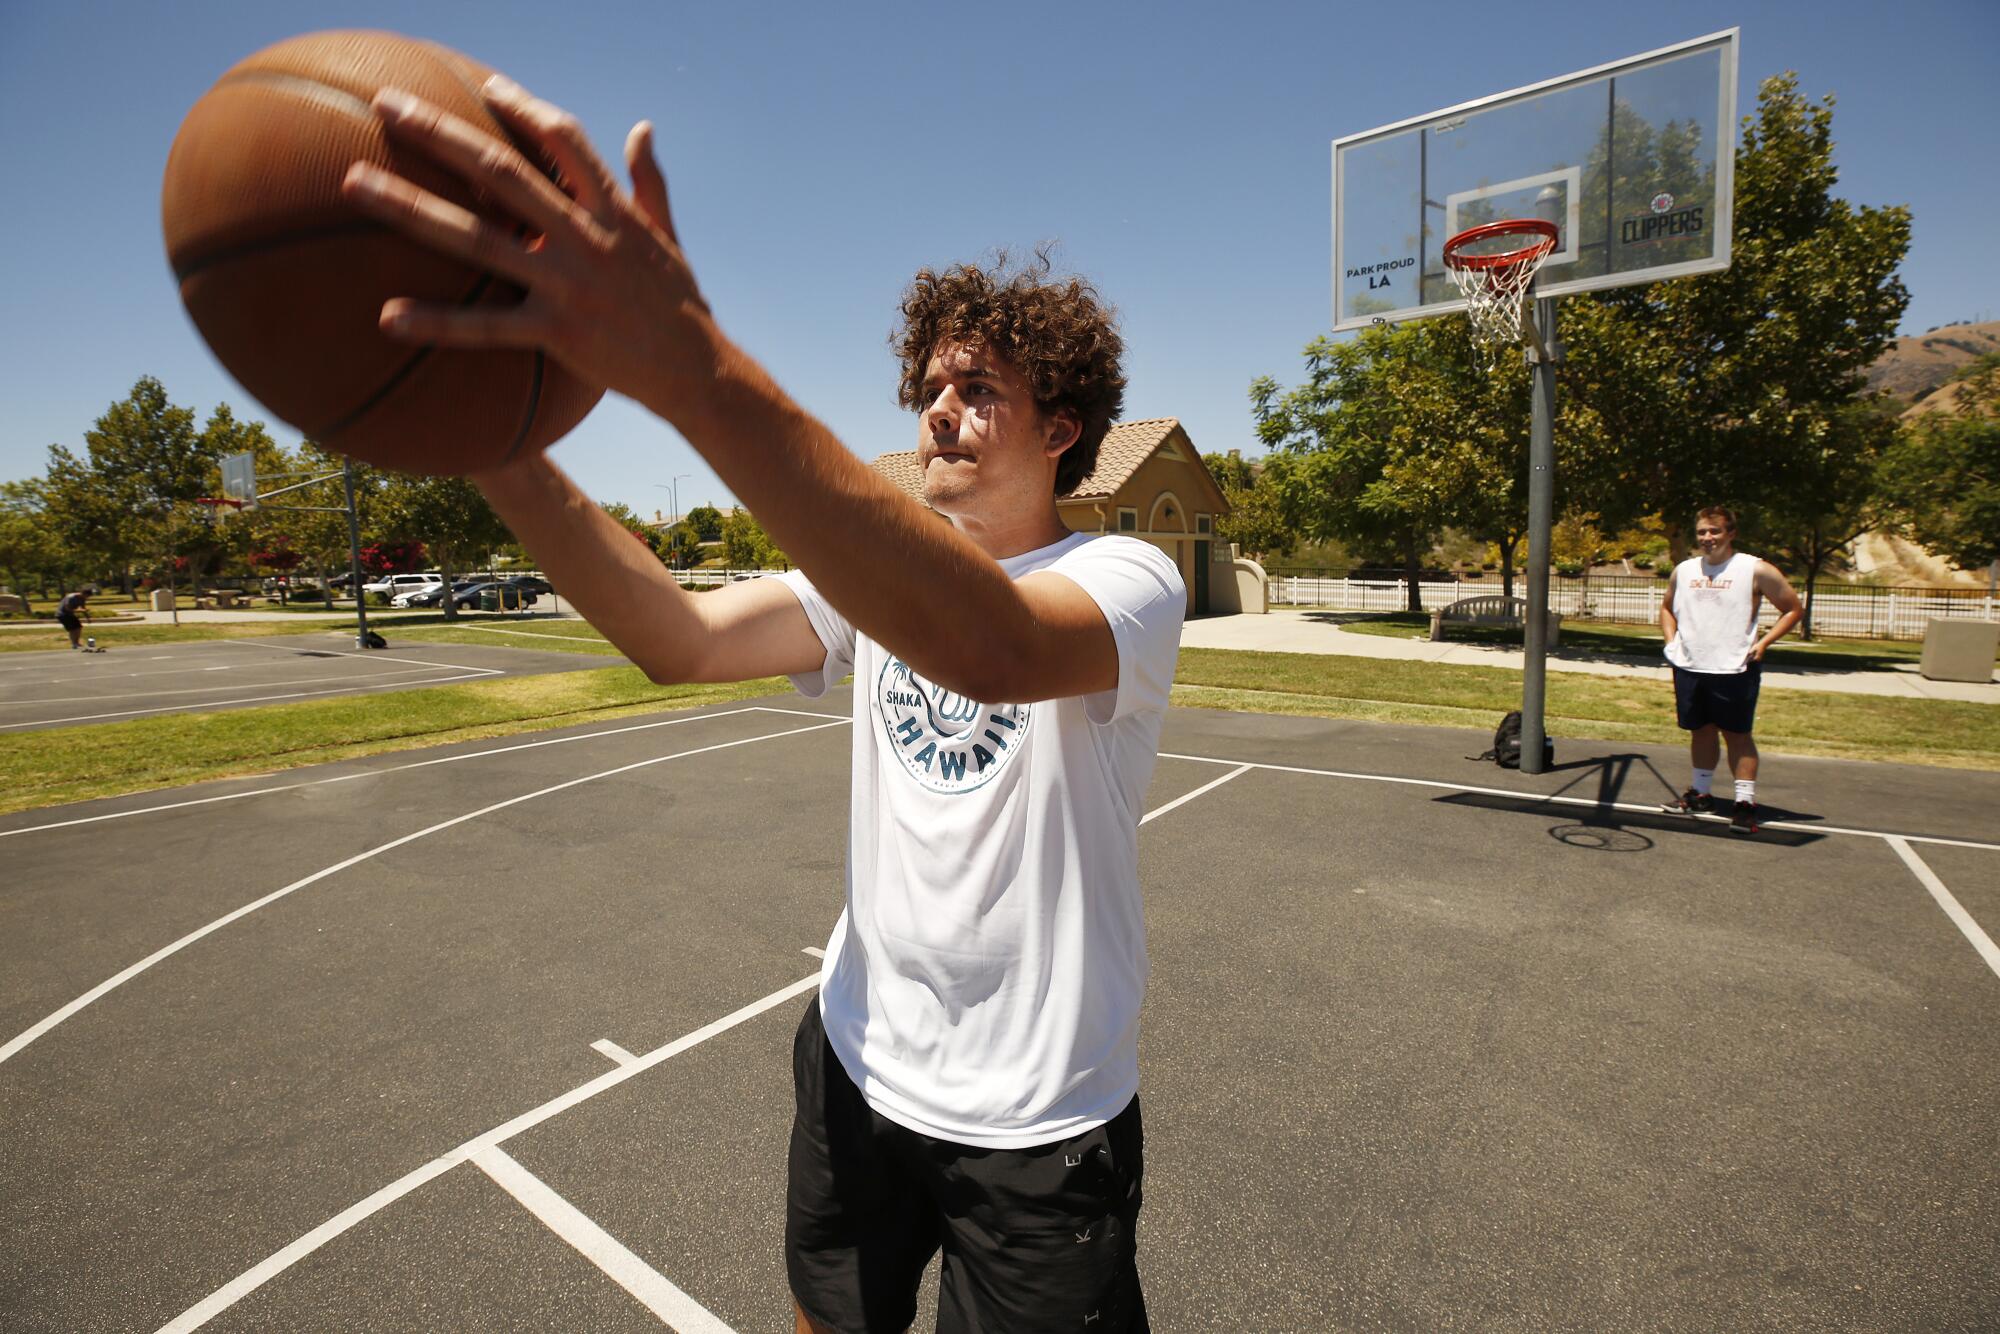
(1916, 365)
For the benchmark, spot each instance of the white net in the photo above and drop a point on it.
(1495, 286)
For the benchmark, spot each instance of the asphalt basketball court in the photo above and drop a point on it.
(497, 1036)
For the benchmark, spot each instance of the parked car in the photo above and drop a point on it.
(528, 583)
(509, 595)
(430, 595)
(395, 585)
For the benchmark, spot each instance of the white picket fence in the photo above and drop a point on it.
(716, 578)
(1838, 610)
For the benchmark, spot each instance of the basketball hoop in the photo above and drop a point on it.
(213, 509)
(1493, 266)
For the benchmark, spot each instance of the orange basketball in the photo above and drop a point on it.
(286, 280)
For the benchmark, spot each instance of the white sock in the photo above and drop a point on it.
(1746, 790)
(1703, 780)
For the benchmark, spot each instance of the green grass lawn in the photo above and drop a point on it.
(67, 764)
(403, 625)
(74, 763)
(1867, 727)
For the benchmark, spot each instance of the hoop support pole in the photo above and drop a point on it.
(1542, 358)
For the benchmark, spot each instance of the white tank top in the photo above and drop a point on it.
(1715, 614)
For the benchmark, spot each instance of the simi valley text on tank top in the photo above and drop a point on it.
(1715, 613)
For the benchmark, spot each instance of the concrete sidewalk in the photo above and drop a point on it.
(1290, 631)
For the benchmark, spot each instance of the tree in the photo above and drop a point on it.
(394, 557)
(1832, 492)
(649, 537)
(1396, 435)
(146, 466)
(1256, 518)
(447, 515)
(1943, 474)
(1725, 387)
(320, 532)
(680, 546)
(745, 544)
(706, 520)
(29, 552)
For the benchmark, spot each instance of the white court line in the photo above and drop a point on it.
(815, 951)
(1946, 900)
(210, 690)
(1635, 808)
(538, 634)
(611, 1050)
(251, 1279)
(654, 1290)
(1237, 772)
(103, 988)
(366, 655)
(468, 675)
(391, 769)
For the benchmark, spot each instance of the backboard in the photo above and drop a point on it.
(239, 478)
(1633, 161)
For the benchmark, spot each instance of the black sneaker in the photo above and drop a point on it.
(1689, 802)
(1743, 818)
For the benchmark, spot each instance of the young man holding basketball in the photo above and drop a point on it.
(967, 1078)
(1709, 618)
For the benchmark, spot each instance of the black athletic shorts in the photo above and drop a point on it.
(1727, 699)
(68, 621)
(1033, 1239)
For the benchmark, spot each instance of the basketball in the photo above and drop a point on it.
(286, 280)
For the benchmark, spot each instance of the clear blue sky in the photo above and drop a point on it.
(818, 153)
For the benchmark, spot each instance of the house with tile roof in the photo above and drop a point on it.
(1149, 483)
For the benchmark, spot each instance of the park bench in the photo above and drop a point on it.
(1490, 609)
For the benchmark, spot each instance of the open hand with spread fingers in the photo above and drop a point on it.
(609, 293)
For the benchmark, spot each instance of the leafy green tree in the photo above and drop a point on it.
(1725, 387)
(706, 520)
(653, 539)
(133, 493)
(1943, 474)
(1833, 490)
(1394, 437)
(680, 546)
(320, 532)
(449, 516)
(29, 553)
(746, 546)
(1256, 518)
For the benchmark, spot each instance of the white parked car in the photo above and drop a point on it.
(396, 585)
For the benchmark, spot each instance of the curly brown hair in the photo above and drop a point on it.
(1058, 334)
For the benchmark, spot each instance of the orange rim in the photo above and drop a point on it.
(1545, 235)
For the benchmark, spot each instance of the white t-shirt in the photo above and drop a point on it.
(983, 983)
(1715, 614)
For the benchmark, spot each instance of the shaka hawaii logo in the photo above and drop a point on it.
(945, 741)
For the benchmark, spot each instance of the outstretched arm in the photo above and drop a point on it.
(610, 295)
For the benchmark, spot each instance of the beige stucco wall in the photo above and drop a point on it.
(1188, 489)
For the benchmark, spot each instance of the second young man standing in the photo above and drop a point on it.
(1709, 618)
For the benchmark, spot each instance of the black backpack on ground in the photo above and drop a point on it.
(1506, 750)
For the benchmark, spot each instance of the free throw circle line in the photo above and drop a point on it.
(16, 1044)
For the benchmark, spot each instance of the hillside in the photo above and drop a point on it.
(1916, 365)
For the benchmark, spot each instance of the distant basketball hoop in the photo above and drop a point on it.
(217, 508)
(1493, 266)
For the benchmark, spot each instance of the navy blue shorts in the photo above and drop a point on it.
(1726, 699)
(1034, 1239)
